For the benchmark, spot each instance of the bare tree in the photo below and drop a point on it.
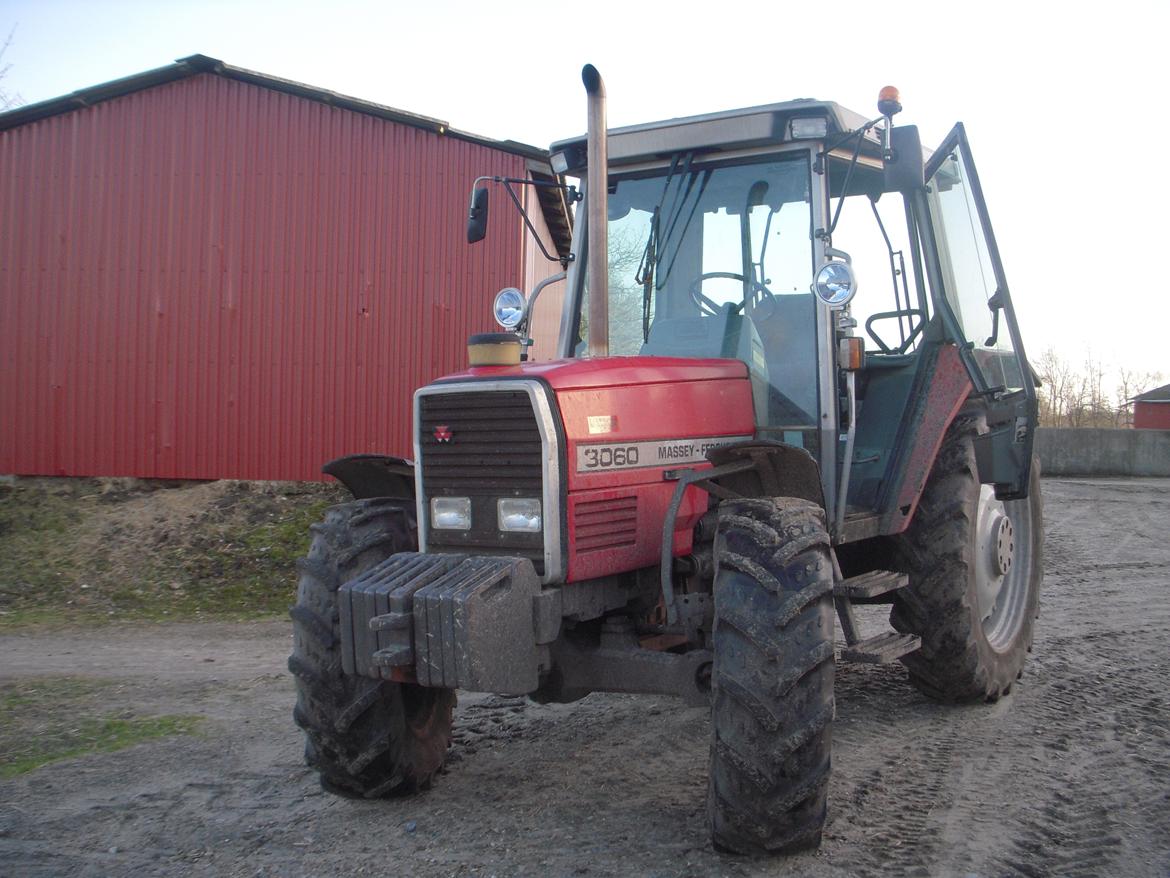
(1071, 397)
(625, 295)
(1091, 408)
(8, 99)
(1057, 391)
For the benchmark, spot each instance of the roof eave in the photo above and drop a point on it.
(1156, 394)
(193, 65)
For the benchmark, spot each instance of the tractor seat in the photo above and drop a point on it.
(787, 328)
(726, 335)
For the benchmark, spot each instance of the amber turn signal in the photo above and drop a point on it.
(851, 353)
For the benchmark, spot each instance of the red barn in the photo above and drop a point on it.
(207, 272)
(1151, 410)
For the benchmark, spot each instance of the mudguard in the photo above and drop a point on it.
(373, 475)
(779, 470)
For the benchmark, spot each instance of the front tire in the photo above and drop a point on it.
(368, 738)
(772, 677)
(975, 565)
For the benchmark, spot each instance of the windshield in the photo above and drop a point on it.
(715, 261)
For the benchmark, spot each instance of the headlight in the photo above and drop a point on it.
(509, 307)
(518, 515)
(835, 284)
(451, 513)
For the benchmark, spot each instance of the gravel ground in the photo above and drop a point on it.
(1070, 775)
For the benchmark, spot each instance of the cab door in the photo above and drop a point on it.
(970, 293)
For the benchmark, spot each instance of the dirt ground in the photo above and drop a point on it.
(1070, 775)
(115, 549)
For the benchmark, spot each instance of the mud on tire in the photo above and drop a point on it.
(367, 738)
(964, 657)
(772, 676)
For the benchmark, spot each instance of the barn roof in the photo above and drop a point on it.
(553, 206)
(1158, 394)
(196, 64)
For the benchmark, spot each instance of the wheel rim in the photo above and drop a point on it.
(1003, 565)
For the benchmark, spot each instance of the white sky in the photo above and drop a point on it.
(1065, 104)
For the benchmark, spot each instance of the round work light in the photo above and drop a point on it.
(835, 284)
(508, 308)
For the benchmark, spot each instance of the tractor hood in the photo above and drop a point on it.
(622, 424)
(577, 374)
(663, 405)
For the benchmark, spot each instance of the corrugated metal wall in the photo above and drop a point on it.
(210, 279)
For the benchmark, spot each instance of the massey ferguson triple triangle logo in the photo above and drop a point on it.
(442, 433)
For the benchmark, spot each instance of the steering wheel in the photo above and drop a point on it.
(708, 305)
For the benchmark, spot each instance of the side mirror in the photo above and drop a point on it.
(477, 217)
(904, 170)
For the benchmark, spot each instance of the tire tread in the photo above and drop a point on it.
(955, 662)
(357, 732)
(772, 677)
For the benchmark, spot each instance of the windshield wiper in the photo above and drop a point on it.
(859, 133)
(657, 241)
(645, 273)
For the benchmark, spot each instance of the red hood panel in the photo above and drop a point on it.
(611, 371)
(626, 421)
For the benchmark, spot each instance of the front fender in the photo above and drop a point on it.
(780, 470)
(373, 475)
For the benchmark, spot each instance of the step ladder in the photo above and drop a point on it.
(883, 648)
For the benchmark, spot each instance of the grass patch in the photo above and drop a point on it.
(36, 529)
(49, 720)
(86, 550)
(241, 571)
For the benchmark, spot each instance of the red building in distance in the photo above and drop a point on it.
(1151, 410)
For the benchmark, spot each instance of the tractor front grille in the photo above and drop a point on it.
(494, 443)
(483, 445)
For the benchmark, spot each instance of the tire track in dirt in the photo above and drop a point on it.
(481, 720)
(896, 805)
(958, 796)
(893, 805)
(1072, 831)
(1100, 724)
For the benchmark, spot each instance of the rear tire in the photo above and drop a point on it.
(975, 620)
(367, 738)
(772, 677)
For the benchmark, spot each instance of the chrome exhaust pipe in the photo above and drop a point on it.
(597, 214)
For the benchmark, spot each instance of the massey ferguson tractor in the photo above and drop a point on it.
(728, 454)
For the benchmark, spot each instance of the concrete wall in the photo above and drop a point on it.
(1103, 452)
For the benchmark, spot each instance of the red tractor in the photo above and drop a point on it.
(714, 470)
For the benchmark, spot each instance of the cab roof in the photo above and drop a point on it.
(715, 132)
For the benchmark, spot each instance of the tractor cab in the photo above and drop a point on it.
(845, 268)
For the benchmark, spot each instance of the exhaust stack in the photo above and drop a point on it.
(597, 214)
